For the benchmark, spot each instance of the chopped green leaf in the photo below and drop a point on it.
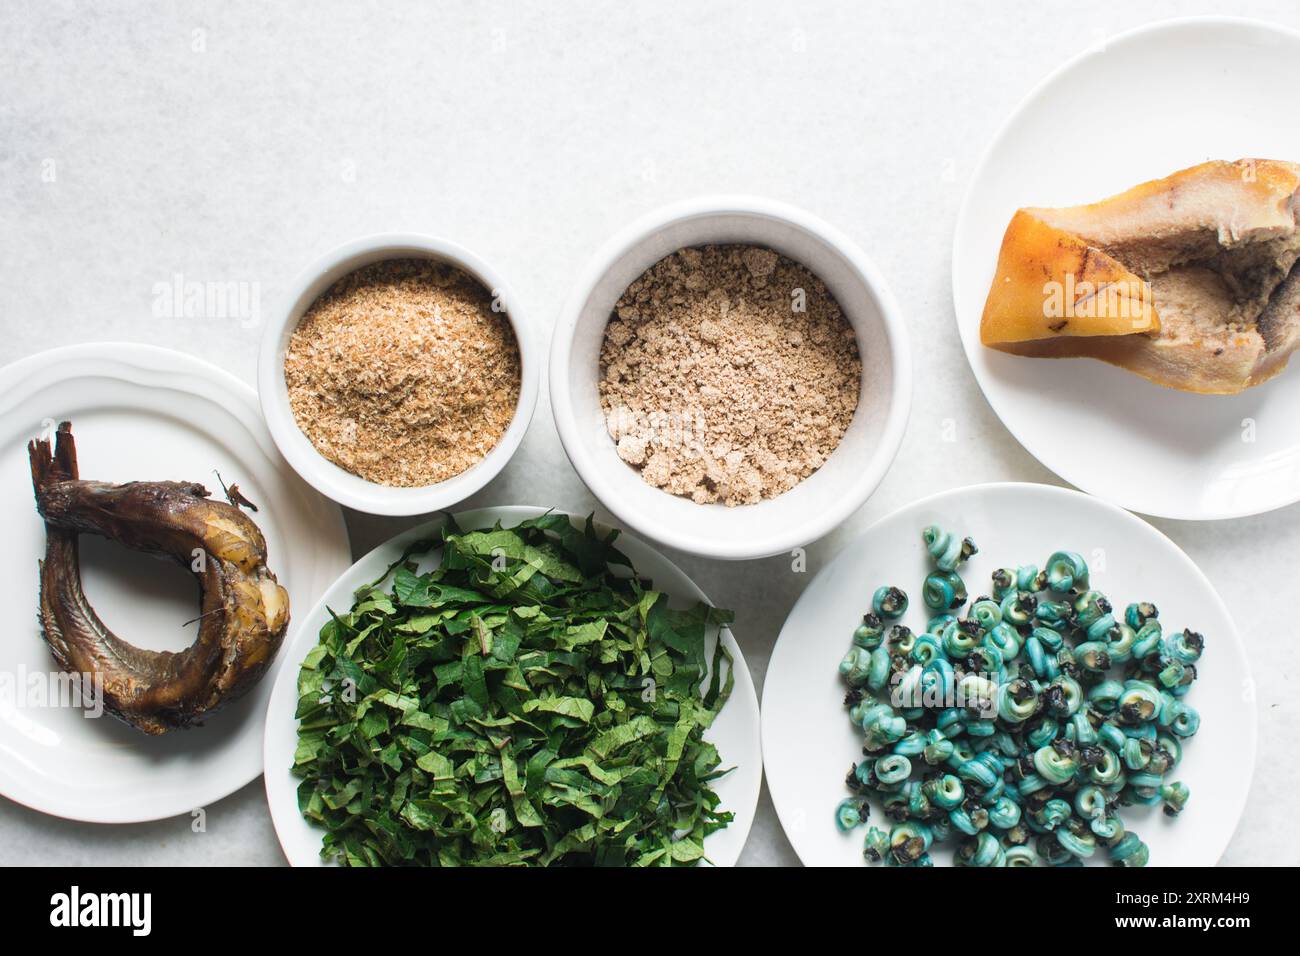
(526, 702)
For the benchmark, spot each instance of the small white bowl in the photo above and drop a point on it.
(317, 470)
(825, 498)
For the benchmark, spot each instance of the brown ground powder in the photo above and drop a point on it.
(728, 374)
(403, 374)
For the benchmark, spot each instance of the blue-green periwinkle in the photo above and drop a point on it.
(1017, 728)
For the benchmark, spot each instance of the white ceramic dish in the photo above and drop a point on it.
(325, 476)
(829, 495)
(809, 743)
(138, 413)
(1195, 90)
(735, 732)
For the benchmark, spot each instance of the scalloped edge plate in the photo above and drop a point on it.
(141, 413)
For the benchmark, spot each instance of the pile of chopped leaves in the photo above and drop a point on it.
(529, 701)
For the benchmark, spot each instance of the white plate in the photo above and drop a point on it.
(140, 413)
(809, 743)
(734, 733)
(1148, 103)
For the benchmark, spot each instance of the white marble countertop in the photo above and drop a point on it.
(228, 142)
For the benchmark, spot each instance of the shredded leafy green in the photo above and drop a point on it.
(530, 701)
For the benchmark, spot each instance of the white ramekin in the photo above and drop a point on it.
(829, 495)
(317, 470)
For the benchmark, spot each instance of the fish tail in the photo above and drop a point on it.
(53, 465)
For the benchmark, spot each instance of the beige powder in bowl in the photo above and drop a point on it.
(403, 373)
(728, 374)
